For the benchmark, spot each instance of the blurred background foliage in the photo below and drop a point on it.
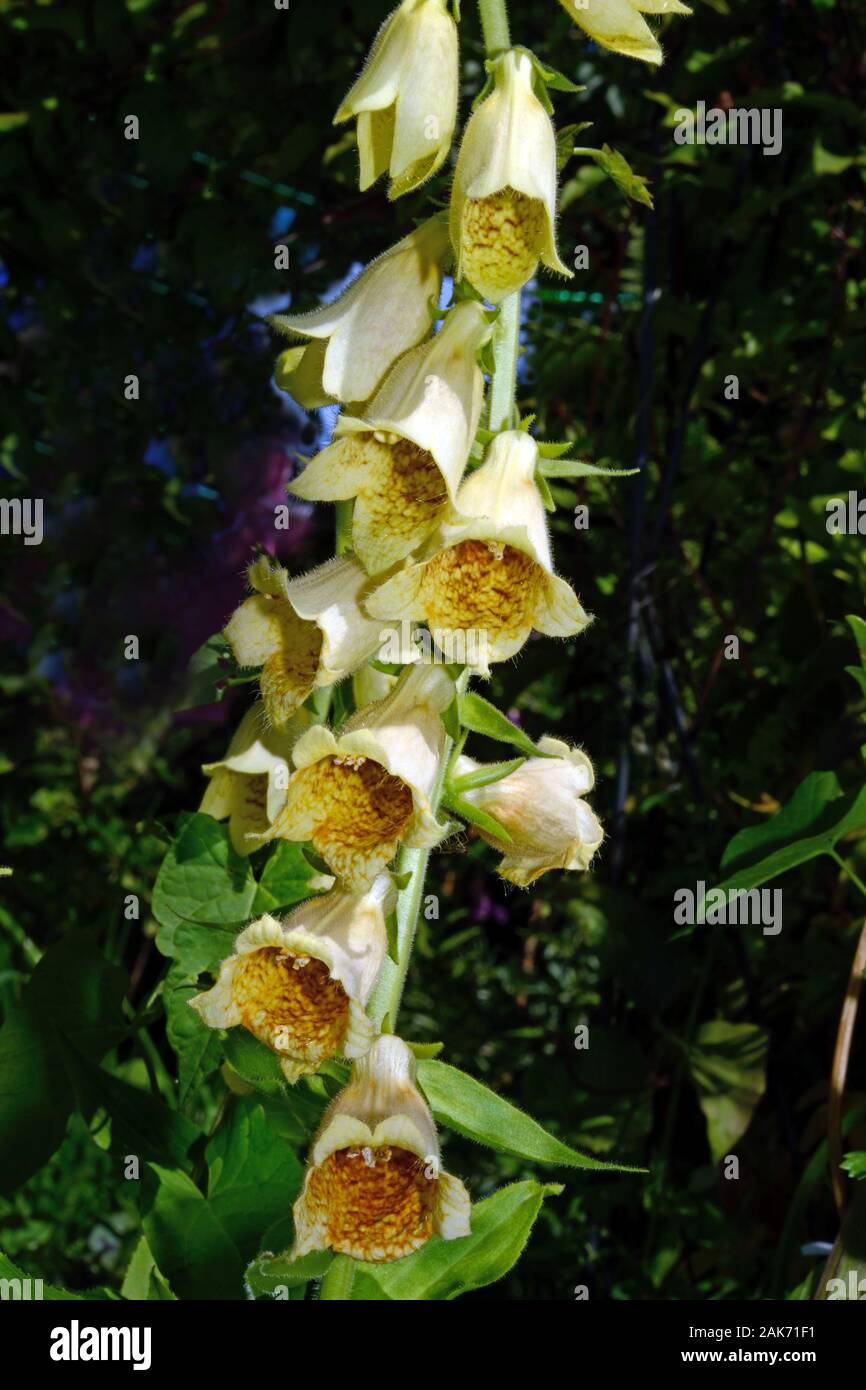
(156, 257)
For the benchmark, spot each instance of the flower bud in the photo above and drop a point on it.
(374, 1188)
(404, 460)
(300, 985)
(357, 338)
(406, 97)
(542, 808)
(619, 25)
(360, 793)
(304, 633)
(503, 203)
(248, 786)
(487, 572)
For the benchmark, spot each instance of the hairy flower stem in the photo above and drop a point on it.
(494, 24)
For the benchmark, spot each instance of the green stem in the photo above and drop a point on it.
(337, 1283)
(845, 866)
(506, 348)
(494, 25)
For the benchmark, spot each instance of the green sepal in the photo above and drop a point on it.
(617, 167)
(459, 806)
(484, 776)
(574, 468)
(480, 717)
(544, 492)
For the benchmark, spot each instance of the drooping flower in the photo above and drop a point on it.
(248, 786)
(360, 793)
(487, 572)
(619, 24)
(503, 203)
(300, 985)
(304, 633)
(542, 807)
(404, 459)
(357, 338)
(406, 97)
(374, 1188)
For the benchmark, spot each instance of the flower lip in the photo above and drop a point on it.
(619, 24)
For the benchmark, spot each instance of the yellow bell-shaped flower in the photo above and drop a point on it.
(619, 24)
(406, 98)
(542, 807)
(503, 202)
(358, 338)
(363, 791)
(304, 633)
(404, 459)
(485, 579)
(374, 1188)
(248, 786)
(300, 985)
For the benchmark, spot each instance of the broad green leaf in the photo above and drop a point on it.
(198, 1048)
(254, 1063)
(27, 1288)
(270, 1274)
(73, 999)
(727, 1064)
(444, 1269)
(473, 1110)
(140, 1124)
(203, 880)
(142, 1281)
(818, 815)
(287, 878)
(480, 717)
(202, 1243)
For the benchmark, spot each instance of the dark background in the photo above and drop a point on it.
(156, 257)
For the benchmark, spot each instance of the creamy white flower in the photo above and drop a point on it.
(248, 786)
(488, 570)
(619, 24)
(374, 1188)
(305, 632)
(357, 338)
(404, 459)
(360, 793)
(541, 805)
(300, 985)
(503, 202)
(406, 97)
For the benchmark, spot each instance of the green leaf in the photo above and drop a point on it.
(442, 1270)
(142, 1281)
(471, 1109)
(206, 669)
(202, 879)
(460, 806)
(574, 468)
(617, 167)
(818, 815)
(854, 1164)
(72, 1000)
(727, 1064)
(485, 775)
(198, 1048)
(50, 1293)
(287, 878)
(480, 717)
(140, 1123)
(254, 1063)
(267, 1276)
(202, 1243)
